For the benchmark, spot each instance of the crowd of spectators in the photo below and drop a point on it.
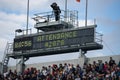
(96, 71)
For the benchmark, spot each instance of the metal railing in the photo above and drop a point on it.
(98, 37)
(8, 50)
(19, 32)
(71, 17)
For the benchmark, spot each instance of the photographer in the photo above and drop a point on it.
(56, 11)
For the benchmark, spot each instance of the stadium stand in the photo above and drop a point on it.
(97, 70)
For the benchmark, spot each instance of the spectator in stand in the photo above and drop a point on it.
(44, 72)
(39, 75)
(49, 77)
(97, 68)
(119, 64)
(33, 77)
(55, 69)
(107, 75)
(111, 62)
(84, 67)
(65, 68)
(101, 66)
(78, 70)
(68, 72)
(77, 77)
(94, 64)
(72, 69)
(60, 69)
(118, 73)
(89, 68)
(112, 71)
(106, 66)
(70, 77)
(1, 76)
(49, 70)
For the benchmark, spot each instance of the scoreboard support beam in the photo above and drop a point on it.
(82, 56)
(22, 64)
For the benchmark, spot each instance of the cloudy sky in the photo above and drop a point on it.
(106, 13)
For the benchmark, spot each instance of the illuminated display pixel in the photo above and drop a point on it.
(23, 43)
(54, 39)
(55, 36)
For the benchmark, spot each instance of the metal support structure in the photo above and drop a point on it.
(94, 21)
(82, 55)
(22, 32)
(27, 17)
(6, 58)
(65, 10)
(22, 65)
(77, 20)
(71, 20)
(86, 13)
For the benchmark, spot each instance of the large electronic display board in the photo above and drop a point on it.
(54, 39)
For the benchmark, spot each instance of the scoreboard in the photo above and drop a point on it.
(54, 39)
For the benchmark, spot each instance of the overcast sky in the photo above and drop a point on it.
(106, 13)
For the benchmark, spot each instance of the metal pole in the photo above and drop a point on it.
(65, 10)
(77, 20)
(16, 64)
(94, 21)
(22, 64)
(86, 13)
(27, 17)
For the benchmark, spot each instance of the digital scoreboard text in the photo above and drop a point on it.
(54, 39)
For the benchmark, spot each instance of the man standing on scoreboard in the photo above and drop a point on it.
(56, 10)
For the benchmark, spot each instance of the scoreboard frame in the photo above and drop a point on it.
(56, 42)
